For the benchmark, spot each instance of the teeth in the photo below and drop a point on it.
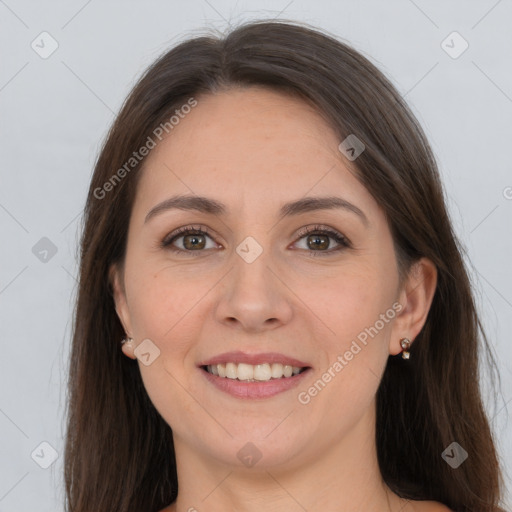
(231, 371)
(277, 370)
(252, 373)
(244, 371)
(262, 372)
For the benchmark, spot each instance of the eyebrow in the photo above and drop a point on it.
(214, 207)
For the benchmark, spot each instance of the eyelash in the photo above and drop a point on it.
(343, 242)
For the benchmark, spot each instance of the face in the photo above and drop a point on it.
(306, 285)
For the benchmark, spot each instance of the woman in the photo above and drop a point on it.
(266, 233)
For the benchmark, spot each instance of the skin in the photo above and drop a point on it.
(253, 150)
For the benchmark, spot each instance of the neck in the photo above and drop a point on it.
(344, 476)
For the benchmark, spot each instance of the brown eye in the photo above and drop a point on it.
(195, 241)
(316, 242)
(188, 239)
(318, 239)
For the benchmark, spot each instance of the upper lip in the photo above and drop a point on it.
(253, 359)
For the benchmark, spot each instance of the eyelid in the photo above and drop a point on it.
(342, 241)
(327, 230)
(184, 230)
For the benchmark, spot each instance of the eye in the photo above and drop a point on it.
(317, 239)
(193, 239)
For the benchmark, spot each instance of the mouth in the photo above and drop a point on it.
(254, 376)
(244, 372)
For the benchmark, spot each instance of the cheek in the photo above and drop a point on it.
(159, 295)
(357, 308)
(353, 299)
(161, 302)
(347, 381)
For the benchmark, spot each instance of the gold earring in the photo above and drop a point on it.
(405, 344)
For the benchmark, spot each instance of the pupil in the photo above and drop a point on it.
(193, 241)
(318, 239)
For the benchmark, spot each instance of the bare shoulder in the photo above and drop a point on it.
(414, 506)
(170, 508)
(428, 506)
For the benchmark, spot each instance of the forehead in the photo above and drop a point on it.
(250, 146)
(251, 124)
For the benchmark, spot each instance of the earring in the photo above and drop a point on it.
(126, 340)
(405, 344)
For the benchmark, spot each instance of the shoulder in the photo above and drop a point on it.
(412, 506)
(427, 506)
(170, 508)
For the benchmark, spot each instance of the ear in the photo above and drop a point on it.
(117, 282)
(416, 298)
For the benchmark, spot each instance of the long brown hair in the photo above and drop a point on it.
(119, 453)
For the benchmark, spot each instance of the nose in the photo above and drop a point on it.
(254, 296)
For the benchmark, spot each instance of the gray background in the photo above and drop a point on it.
(55, 111)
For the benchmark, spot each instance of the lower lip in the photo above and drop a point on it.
(254, 390)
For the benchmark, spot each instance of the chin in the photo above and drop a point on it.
(252, 450)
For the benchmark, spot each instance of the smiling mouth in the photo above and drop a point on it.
(253, 373)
